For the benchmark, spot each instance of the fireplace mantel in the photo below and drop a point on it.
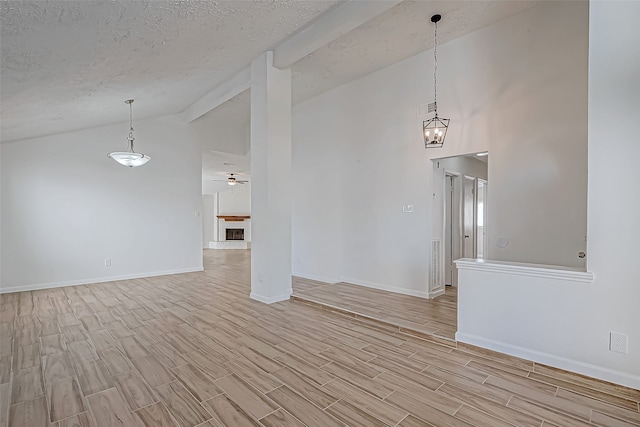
(234, 217)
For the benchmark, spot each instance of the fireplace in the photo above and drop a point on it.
(235, 233)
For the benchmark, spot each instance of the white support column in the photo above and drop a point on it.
(270, 181)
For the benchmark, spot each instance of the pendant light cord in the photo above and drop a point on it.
(435, 70)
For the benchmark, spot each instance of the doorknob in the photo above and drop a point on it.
(466, 236)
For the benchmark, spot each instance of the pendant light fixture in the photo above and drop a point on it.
(435, 129)
(130, 158)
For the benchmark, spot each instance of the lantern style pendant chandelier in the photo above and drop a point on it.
(435, 129)
(130, 158)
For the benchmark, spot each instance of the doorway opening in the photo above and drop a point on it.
(460, 214)
(451, 232)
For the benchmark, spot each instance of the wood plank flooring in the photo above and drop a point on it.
(436, 317)
(193, 350)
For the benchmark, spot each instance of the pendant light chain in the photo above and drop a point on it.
(131, 138)
(435, 70)
(434, 129)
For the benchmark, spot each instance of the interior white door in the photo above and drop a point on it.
(468, 218)
(448, 230)
(481, 219)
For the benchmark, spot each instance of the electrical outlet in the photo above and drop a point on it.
(107, 262)
(618, 342)
(407, 208)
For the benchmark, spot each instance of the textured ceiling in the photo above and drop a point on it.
(397, 34)
(71, 64)
(401, 32)
(68, 65)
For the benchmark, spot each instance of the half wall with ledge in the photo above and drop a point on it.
(543, 313)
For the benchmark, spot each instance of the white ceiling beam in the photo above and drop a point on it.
(328, 28)
(333, 24)
(221, 94)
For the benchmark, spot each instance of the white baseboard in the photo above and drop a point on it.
(436, 293)
(39, 286)
(606, 374)
(383, 287)
(270, 300)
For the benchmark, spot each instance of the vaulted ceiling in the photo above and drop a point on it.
(68, 65)
(71, 64)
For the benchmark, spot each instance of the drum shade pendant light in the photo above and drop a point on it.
(130, 158)
(435, 129)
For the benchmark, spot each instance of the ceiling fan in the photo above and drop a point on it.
(232, 180)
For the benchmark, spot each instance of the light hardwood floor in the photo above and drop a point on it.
(194, 350)
(431, 317)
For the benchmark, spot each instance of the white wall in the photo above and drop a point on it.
(1, 210)
(520, 91)
(209, 219)
(358, 154)
(564, 323)
(235, 200)
(316, 223)
(221, 133)
(211, 187)
(66, 207)
(613, 228)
